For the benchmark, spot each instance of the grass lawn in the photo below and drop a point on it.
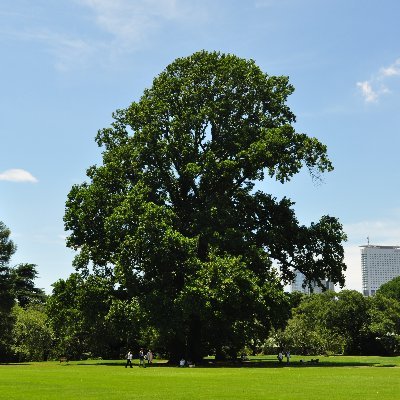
(261, 378)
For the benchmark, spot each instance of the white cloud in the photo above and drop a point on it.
(368, 93)
(375, 87)
(391, 70)
(17, 175)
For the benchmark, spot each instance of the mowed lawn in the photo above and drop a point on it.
(262, 378)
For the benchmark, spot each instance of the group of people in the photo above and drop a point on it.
(148, 357)
(143, 358)
(284, 354)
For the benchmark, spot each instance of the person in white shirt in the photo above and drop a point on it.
(129, 359)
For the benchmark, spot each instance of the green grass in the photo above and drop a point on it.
(261, 378)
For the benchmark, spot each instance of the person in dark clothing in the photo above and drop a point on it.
(141, 358)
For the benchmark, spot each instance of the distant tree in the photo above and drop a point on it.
(384, 327)
(175, 201)
(25, 291)
(7, 299)
(16, 286)
(344, 322)
(308, 332)
(391, 289)
(32, 336)
(348, 316)
(7, 249)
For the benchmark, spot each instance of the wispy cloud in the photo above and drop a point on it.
(69, 52)
(113, 29)
(391, 70)
(17, 175)
(133, 21)
(374, 88)
(369, 94)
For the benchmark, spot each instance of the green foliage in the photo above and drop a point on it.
(24, 286)
(7, 246)
(7, 299)
(308, 332)
(16, 286)
(348, 316)
(391, 289)
(343, 322)
(7, 249)
(234, 307)
(384, 316)
(173, 206)
(32, 336)
(87, 317)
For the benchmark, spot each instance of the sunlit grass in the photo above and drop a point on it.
(261, 378)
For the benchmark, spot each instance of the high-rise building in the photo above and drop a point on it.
(379, 264)
(297, 285)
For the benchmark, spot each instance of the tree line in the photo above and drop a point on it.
(89, 317)
(23, 323)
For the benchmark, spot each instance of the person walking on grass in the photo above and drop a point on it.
(141, 359)
(128, 359)
(287, 354)
(149, 357)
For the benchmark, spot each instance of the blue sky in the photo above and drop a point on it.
(66, 65)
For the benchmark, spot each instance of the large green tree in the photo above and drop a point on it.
(175, 209)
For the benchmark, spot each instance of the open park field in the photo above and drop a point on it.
(260, 378)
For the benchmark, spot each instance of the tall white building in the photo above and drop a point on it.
(297, 285)
(379, 264)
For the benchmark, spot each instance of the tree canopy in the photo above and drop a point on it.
(174, 216)
(16, 287)
(391, 289)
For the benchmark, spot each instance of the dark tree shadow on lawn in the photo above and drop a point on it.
(253, 363)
